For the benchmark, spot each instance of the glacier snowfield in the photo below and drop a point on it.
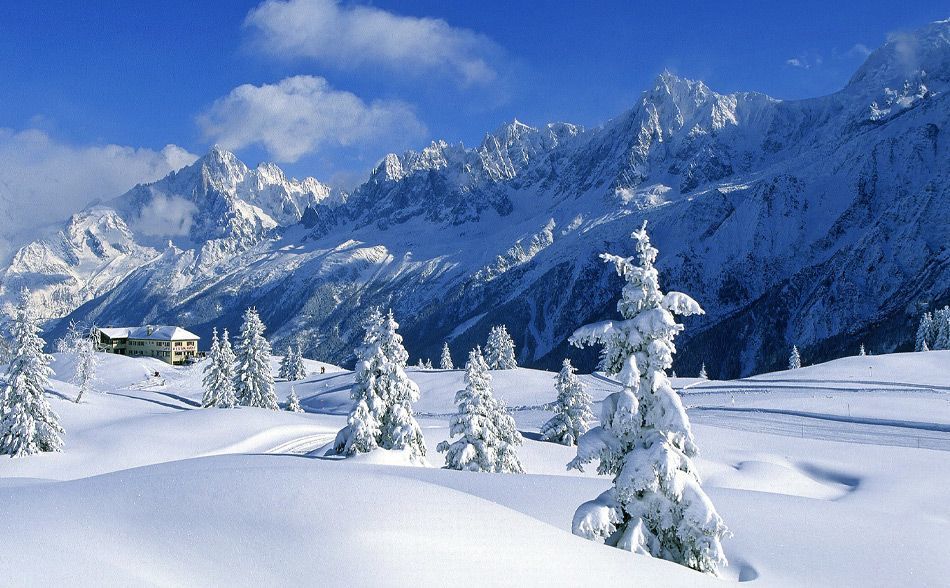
(831, 475)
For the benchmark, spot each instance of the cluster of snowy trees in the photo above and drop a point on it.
(656, 505)
(27, 422)
(291, 366)
(499, 352)
(242, 375)
(933, 333)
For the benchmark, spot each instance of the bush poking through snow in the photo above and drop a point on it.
(219, 374)
(382, 415)
(656, 505)
(500, 349)
(27, 422)
(253, 381)
(488, 433)
(572, 415)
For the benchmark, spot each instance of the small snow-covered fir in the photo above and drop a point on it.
(293, 402)
(795, 359)
(27, 422)
(445, 362)
(488, 434)
(500, 349)
(218, 379)
(572, 414)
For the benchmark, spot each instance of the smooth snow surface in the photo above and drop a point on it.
(152, 490)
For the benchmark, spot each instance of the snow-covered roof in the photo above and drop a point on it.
(154, 332)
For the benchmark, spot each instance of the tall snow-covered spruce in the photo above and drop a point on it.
(488, 433)
(382, 415)
(253, 381)
(27, 422)
(284, 370)
(656, 505)
(219, 374)
(572, 415)
(500, 349)
(445, 362)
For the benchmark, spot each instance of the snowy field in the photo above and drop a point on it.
(831, 475)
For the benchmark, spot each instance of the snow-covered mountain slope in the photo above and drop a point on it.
(822, 222)
(199, 216)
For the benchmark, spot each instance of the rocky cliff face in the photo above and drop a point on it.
(823, 223)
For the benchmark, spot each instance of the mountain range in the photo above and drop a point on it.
(822, 223)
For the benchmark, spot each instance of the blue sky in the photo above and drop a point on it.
(98, 90)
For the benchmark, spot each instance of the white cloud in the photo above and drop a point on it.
(166, 216)
(796, 62)
(858, 50)
(43, 181)
(805, 61)
(349, 36)
(301, 114)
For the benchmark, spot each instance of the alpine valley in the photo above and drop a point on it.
(821, 223)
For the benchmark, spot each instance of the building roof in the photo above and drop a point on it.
(153, 332)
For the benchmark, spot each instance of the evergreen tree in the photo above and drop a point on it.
(293, 402)
(219, 374)
(861, 350)
(446, 362)
(285, 362)
(572, 414)
(488, 433)
(702, 372)
(298, 371)
(27, 422)
(382, 415)
(795, 359)
(656, 505)
(253, 381)
(500, 349)
(925, 331)
(940, 329)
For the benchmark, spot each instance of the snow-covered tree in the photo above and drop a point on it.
(298, 371)
(941, 329)
(572, 414)
(27, 422)
(292, 368)
(488, 434)
(656, 505)
(500, 349)
(795, 359)
(382, 415)
(446, 362)
(284, 370)
(253, 380)
(925, 331)
(293, 402)
(861, 350)
(219, 374)
(933, 332)
(702, 372)
(80, 345)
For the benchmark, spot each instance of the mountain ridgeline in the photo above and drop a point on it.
(823, 223)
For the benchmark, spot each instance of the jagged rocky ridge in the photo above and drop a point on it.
(822, 222)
